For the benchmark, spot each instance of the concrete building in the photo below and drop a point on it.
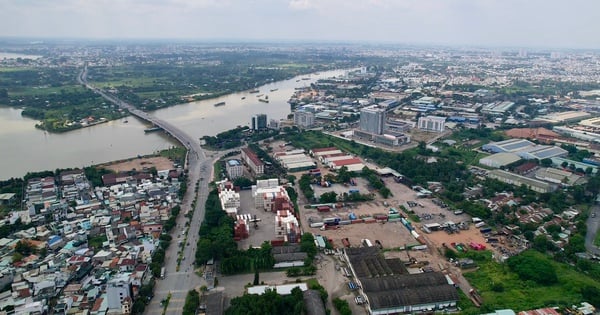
(510, 145)
(273, 124)
(234, 169)
(259, 122)
(295, 161)
(391, 140)
(432, 123)
(499, 160)
(372, 119)
(230, 201)
(518, 180)
(304, 118)
(560, 177)
(497, 108)
(525, 149)
(254, 163)
(564, 117)
(118, 289)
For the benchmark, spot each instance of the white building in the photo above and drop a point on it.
(118, 290)
(372, 119)
(304, 118)
(230, 201)
(499, 159)
(432, 123)
(234, 169)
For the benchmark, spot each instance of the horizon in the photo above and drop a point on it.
(535, 24)
(8, 41)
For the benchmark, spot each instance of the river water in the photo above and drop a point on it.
(24, 148)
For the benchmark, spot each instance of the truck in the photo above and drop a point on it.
(162, 272)
(316, 224)
(485, 230)
(367, 243)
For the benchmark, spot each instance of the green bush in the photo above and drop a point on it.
(342, 306)
(529, 266)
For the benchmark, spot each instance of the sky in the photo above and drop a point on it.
(507, 23)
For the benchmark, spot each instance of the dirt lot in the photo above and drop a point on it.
(159, 162)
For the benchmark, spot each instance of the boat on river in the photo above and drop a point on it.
(220, 104)
(153, 129)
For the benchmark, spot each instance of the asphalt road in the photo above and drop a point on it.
(593, 223)
(199, 165)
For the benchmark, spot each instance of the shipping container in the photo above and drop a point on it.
(358, 221)
(323, 208)
(345, 222)
(331, 219)
(316, 224)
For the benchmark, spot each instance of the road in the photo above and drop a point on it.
(199, 166)
(593, 223)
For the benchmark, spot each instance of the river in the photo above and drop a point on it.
(25, 148)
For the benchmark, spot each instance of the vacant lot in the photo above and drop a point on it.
(145, 163)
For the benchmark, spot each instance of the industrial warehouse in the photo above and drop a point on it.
(390, 289)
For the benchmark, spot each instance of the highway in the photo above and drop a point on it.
(199, 166)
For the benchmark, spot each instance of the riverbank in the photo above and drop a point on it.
(25, 148)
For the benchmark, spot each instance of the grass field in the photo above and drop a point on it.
(40, 91)
(501, 288)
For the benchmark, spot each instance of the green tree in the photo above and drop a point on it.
(540, 243)
(328, 197)
(533, 266)
(256, 278)
(546, 162)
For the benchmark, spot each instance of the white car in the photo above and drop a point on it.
(359, 300)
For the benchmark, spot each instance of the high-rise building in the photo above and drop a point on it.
(304, 118)
(372, 119)
(259, 122)
(432, 123)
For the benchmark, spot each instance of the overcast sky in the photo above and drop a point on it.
(517, 23)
